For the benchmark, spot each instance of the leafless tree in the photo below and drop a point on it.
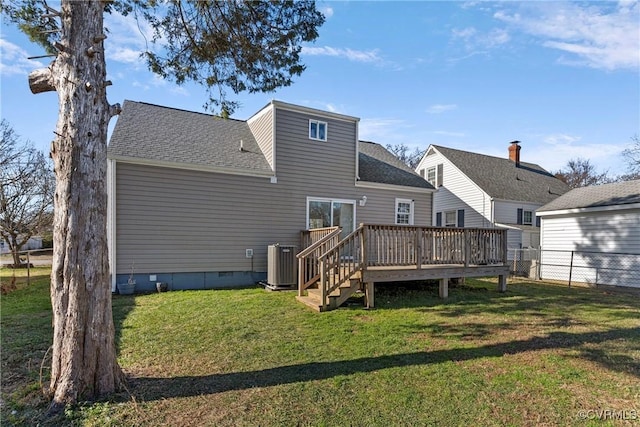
(26, 191)
(408, 157)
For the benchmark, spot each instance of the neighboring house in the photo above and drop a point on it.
(596, 230)
(34, 242)
(476, 190)
(195, 200)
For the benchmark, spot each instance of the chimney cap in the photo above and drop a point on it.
(515, 142)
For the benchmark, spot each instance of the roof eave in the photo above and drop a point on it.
(393, 187)
(192, 166)
(589, 209)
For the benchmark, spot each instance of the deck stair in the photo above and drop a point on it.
(331, 269)
(336, 298)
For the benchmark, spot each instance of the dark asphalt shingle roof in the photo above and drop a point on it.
(147, 131)
(379, 165)
(500, 178)
(152, 132)
(619, 193)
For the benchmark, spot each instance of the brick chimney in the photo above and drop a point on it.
(514, 152)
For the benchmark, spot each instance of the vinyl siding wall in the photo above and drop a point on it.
(182, 221)
(506, 212)
(261, 126)
(458, 192)
(172, 220)
(604, 233)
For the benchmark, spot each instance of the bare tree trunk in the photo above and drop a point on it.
(84, 357)
(13, 246)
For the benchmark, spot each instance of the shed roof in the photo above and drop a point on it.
(619, 193)
(502, 179)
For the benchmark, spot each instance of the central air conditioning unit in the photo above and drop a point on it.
(281, 266)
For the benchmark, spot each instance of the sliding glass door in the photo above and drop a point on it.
(328, 213)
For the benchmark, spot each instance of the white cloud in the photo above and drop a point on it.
(553, 152)
(370, 56)
(560, 138)
(332, 108)
(598, 35)
(448, 133)
(125, 55)
(127, 38)
(476, 41)
(441, 108)
(381, 130)
(327, 11)
(13, 60)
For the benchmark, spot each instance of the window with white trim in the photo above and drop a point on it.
(431, 175)
(317, 130)
(450, 218)
(527, 217)
(404, 211)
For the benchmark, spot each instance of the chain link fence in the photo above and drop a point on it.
(524, 262)
(28, 260)
(577, 267)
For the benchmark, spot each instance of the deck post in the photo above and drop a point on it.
(418, 246)
(467, 247)
(369, 295)
(502, 283)
(301, 275)
(363, 246)
(444, 288)
(505, 247)
(323, 281)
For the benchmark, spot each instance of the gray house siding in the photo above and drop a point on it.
(191, 228)
(309, 164)
(381, 205)
(181, 221)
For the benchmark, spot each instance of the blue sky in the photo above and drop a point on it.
(562, 77)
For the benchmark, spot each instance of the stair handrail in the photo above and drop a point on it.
(341, 262)
(308, 259)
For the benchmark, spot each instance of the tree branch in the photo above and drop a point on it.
(41, 80)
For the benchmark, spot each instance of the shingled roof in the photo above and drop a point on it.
(169, 136)
(378, 165)
(502, 179)
(619, 193)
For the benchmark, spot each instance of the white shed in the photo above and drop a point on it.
(592, 235)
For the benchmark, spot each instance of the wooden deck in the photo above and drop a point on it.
(330, 271)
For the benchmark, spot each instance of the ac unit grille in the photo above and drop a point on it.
(281, 265)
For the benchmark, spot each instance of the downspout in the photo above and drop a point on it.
(111, 221)
(493, 212)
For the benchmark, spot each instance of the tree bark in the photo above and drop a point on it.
(84, 364)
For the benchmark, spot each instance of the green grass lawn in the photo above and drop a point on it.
(537, 355)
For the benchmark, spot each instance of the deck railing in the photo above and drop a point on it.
(339, 264)
(309, 237)
(334, 263)
(394, 245)
(316, 242)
